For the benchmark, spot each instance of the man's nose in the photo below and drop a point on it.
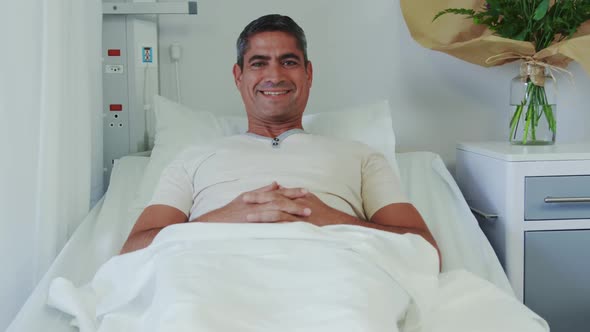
(275, 72)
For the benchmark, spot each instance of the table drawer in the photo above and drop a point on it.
(557, 197)
(556, 274)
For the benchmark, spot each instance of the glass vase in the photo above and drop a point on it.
(533, 107)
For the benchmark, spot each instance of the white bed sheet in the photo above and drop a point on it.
(434, 192)
(287, 277)
(426, 180)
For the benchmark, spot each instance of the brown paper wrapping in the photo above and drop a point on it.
(458, 36)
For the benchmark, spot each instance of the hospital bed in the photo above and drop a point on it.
(100, 236)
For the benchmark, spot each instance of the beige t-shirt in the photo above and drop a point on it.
(346, 175)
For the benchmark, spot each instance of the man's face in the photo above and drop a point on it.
(275, 81)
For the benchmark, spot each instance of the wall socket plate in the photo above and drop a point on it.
(114, 69)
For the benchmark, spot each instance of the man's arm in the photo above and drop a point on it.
(149, 224)
(398, 218)
(279, 207)
(403, 218)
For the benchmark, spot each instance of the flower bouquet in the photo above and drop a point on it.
(546, 35)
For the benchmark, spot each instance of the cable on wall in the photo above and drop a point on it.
(175, 54)
(147, 107)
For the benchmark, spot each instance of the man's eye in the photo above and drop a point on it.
(289, 63)
(257, 64)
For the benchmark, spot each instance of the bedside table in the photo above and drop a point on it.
(533, 204)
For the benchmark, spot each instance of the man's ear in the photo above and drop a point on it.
(237, 75)
(309, 71)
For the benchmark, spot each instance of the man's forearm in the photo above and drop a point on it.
(150, 223)
(140, 240)
(393, 229)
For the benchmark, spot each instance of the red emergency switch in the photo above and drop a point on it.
(116, 107)
(114, 52)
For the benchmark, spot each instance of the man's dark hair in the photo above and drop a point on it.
(268, 23)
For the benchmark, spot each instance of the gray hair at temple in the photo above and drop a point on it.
(268, 23)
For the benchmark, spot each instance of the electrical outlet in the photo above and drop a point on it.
(113, 69)
(113, 125)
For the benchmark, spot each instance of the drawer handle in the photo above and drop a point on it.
(487, 216)
(550, 199)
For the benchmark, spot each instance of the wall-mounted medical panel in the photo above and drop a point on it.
(131, 74)
(115, 91)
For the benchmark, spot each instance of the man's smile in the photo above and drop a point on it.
(274, 93)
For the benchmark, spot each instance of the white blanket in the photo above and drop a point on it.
(286, 277)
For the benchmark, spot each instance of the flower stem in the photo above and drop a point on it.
(537, 106)
(515, 120)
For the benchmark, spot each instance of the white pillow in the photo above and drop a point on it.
(177, 127)
(370, 124)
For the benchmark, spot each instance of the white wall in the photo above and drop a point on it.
(362, 51)
(20, 36)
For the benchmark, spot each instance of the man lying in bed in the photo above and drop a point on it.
(276, 172)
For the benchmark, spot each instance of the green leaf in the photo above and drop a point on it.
(521, 35)
(494, 7)
(459, 11)
(541, 10)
